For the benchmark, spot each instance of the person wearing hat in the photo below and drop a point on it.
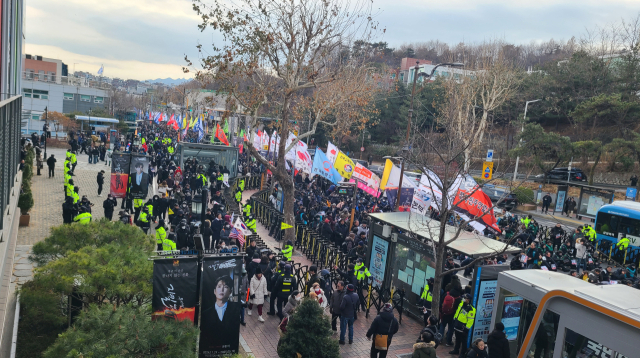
(161, 234)
(284, 287)
(385, 324)
(425, 347)
(100, 181)
(362, 275)
(498, 342)
(462, 322)
(348, 308)
(83, 216)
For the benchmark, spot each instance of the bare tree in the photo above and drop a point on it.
(278, 50)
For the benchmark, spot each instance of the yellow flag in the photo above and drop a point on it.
(344, 165)
(285, 226)
(388, 165)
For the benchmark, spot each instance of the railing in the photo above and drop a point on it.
(10, 123)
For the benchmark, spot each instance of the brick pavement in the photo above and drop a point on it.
(263, 338)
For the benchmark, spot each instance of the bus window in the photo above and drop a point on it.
(607, 224)
(577, 345)
(629, 226)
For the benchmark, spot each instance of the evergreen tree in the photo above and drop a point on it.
(308, 334)
(125, 331)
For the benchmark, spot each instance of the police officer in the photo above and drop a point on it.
(621, 247)
(241, 184)
(251, 223)
(287, 252)
(137, 205)
(362, 275)
(246, 210)
(149, 206)
(426, 298)
(219, 180)
(274, 293)
(143, 220)
(161, 234)
(462, 322)
(75, 195)
(238, 196)
(284, 287)
(526, 221)
(83, 217)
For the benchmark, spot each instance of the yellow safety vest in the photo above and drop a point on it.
(170, 149)
(75, 197)
(73, 158)
(426, 295)
(168, 245)
(241, 184)
(247, 210)
(361, 272)
(287, 282)
(238, 196)
(251, 224)
(161, 234)
(137, 203)
(465, 317)
(287, 252)
(67, 177)
(150, 209)
(623, 244)
(83, 218)
(220, 177)
(526, 222)
(143, 217)
(70, 190)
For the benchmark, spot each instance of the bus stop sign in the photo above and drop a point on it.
(631, 193)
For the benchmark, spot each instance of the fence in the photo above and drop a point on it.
(324, 254)
(10, 123)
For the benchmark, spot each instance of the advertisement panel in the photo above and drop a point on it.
(379, 254)
(119, 174)
(220, 306)
(175, 283)
(511, 316)
(139, 174)
(484, 309)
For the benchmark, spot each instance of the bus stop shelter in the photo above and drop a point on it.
(401, 253)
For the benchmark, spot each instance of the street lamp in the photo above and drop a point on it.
(196, 204)
(401, 159)
(526, 105)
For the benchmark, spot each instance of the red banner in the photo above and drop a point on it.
(473, 201)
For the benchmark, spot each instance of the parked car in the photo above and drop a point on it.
(496, 193)
(363, 162)
(562, 173)
(377, 170)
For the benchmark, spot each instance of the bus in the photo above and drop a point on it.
(618, 219)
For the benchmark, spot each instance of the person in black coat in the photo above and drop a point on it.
(51, 163)
(68, 211)
(384, 324)
(498, 342)
(349, 276)
(207, 235)
(108, 206)
(100, 180)
(546, 201)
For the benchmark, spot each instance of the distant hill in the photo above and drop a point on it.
(169, 81)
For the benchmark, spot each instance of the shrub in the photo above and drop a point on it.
(627, 163)
(25, 201)
(524, 195)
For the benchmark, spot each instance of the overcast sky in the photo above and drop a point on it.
(148, 39)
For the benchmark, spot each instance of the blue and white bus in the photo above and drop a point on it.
(617, 219)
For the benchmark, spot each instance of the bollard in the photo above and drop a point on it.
(624, 262)
(391, 297)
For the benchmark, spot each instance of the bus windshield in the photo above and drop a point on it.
(613, 226)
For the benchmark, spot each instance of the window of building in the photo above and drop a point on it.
(85, 98)
(98, 99)
(40, 94)
(68, 96)
(41, 75)
(52, 76)
(26, 92)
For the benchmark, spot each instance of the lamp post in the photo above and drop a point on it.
(401, 159)
(46, 134)
(526, 105)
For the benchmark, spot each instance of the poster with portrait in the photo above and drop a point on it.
(175, 284)
(220, 306)
(378, 263)
(119, 174)
(139, 174)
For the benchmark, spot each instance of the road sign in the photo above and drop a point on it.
(631, 193)
(487, 170)
(362, 149)
(489, 156)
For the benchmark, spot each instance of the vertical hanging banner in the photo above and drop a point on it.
(139, 176)
(220, 306)
(175, 283)
(344, 165)
(119, 174)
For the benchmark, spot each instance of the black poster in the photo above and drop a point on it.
(139, 176)
(119, 174)
(175, 282)
(220, 306)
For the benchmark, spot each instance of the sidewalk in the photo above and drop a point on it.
(262, 338)
(557, 217)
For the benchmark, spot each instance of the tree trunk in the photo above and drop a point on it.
(593, 167)
(440, 252)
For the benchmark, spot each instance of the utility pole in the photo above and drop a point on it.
(526, 105)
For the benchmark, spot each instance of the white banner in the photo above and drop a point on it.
(332, 152)
(421, 202)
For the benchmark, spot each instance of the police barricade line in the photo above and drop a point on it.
(376, 298)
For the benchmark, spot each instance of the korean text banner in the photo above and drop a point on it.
(175, 283)
(367, 189)
(220, 306)
(323, 167)
(473, 201)
(344, 165)
(369, 182)
(119, 175)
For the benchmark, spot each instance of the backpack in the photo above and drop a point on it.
(447, 305)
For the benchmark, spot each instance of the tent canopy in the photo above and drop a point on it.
(467, 243)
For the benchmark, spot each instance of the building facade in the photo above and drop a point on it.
(11, 47)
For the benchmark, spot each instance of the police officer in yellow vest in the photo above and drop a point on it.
(143, 220)
(462, 323)
(203, 178)
(219, 180)
(426, 298)
(526, 221)
(75, 195)
(161, 235)
(74, 162)
(149, 206)
(251, 223)
(241, 184)
(238, 196)
(68, 191)
(83, 217)
(287, 252)
(246, 210)
(362, 275)
(137, 205)
(589, 233)
(622, 246)
(285, 287)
